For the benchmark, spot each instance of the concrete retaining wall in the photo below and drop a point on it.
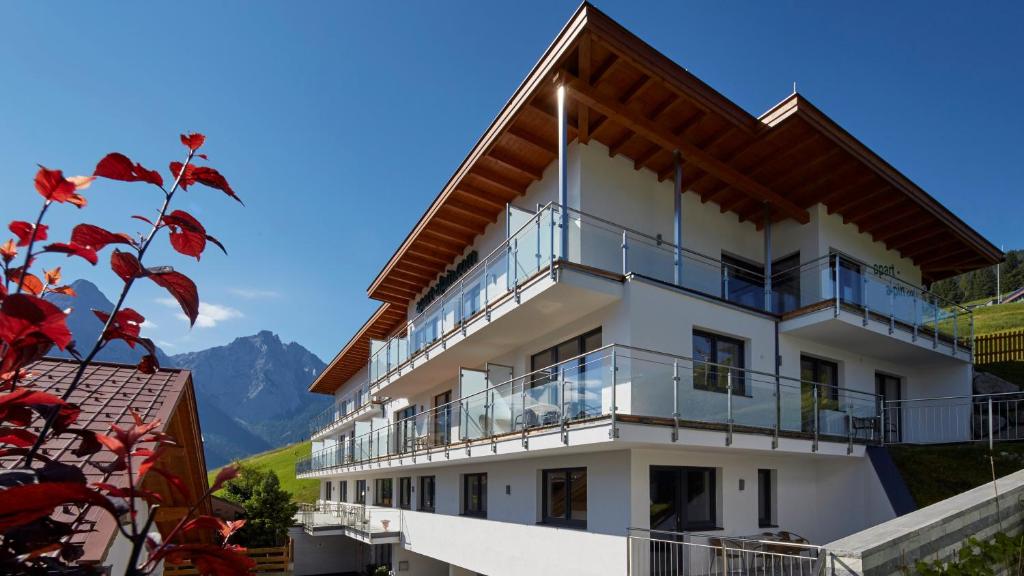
(935, 532)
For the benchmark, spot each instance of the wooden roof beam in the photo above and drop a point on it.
(885, 218)
(429, 255)
(515, 164)
(475, 195)
(869, 206)
(669, 141)
(887, 235)
(836, 203)
(911, 235)
(498, 182)
(921, 247)
(456, 227)
(582, 112)
(469, 211)
(945, 257)
(551, 147)
(444, 241)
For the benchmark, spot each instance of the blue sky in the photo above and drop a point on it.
(338, 122)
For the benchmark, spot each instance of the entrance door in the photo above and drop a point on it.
(888, 389)
(405, 423)
(442, 418)
(682, 498)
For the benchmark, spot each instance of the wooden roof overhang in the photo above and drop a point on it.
(645, 107)
(354, 356)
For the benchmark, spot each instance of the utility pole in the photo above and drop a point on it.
(999, 289)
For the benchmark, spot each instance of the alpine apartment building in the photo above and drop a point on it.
(639, 331)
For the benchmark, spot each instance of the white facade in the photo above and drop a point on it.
(822, 484)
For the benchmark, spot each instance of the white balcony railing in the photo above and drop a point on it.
(980, 418)
(368, 520)
(341, 408)
(661, 553)
(618, 382)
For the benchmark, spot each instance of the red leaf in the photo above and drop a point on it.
(8, 251)
(21, 315)
(126, 265)
(188, 236)
(113, 444)
(125, 492)
(23, 230)
(127, 322)
(84, 252)
(205, 523)
(187, 179)
(193, 141)
(31, 283)
(226, 474)
(210, 177)
(179, 286)
(98, 238)
(117, 166)
(52, 185)
(148, 364)
(174, 480)
(20, 505)
(19, 437)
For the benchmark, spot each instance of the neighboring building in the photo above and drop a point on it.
(106, 395)
(635, 311)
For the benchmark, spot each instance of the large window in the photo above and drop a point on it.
(544, 397)
(786, 284)
(765, 498)
(474, 495)
(825, 374)
(360, 492)
(683, 498)
(571, 348)
(405, 493)
(716, 359)
(327, 490)
(565, 497)
(405, 429)
(426, 494)
(742, 282)
(343, 491)
(382, 492)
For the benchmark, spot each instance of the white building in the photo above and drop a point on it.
(636, 311)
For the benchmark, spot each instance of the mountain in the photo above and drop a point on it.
(252, 392)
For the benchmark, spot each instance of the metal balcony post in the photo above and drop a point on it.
(444, 345)
(935, 326)
(991, 439)
(487, 289)
(515, 267)
(864, 297)
(614, 432)
(526, 440)
(767, 259)
(462, 306)
(565, 418)
(725, 281)
(955, 334)
(814, 447)
(835, 281)
(892, 309)
(551, 240)
(537, 254)
(849, 428)
(625, 254)
(677, 196)
(728, 408)
(881, 420)
(675, 400)
(972, 336)
(917, 319)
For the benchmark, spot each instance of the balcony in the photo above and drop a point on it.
(344, 409)
(839, 301)
(615, 386)
(369, 524)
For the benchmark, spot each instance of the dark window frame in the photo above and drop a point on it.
(481, 511)
(739, 384)
(683, 488)
(553, 359)
(568, 521)
(327, 490)
(379, 485)
(423, 492)
(360, 495)
(342, 490)
(765, 499)
(832, 392)
(405, 492)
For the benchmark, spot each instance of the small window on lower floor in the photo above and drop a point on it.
(360, 492)
(405, 493)
(382, 492)
(327, 490)
(474, 494)
(343, 491)
(766, 498)
(426, 494)
(565, 497)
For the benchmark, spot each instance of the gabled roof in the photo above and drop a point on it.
(645, 107)
(106, 395)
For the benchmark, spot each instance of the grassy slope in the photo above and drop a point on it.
(989, 319)
(282, 462)
(934, 473)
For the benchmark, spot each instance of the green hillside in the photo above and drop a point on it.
(282, 462)
(988, 319)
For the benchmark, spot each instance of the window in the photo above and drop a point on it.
(565, 497)
(765, 498)
(474, 495)
(578, 403)
(426, 493)
(742, 282)
(572, 347)
(327, 490)
(826, 375)
(683, 498)
(405, 428)
(715, 359)
(382, 492)
(786, 283)
(405, 493)
(850, 281)
(360, 492)
(343, 491)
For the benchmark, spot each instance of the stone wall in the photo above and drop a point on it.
(935, 532)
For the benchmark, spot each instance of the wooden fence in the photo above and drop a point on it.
(268, 561)
(999, 347)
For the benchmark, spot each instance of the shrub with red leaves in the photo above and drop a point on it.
(33, 540)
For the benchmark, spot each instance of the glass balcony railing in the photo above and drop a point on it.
(369, 520)
(841, 282)
(621, 382)
(348, 404)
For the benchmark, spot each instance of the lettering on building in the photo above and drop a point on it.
(446, 280)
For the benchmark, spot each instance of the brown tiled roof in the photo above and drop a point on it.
(106, 395)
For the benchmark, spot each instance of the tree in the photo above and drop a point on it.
(32, 540)
(269, 510)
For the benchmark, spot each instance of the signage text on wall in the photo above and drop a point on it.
(446, 280)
